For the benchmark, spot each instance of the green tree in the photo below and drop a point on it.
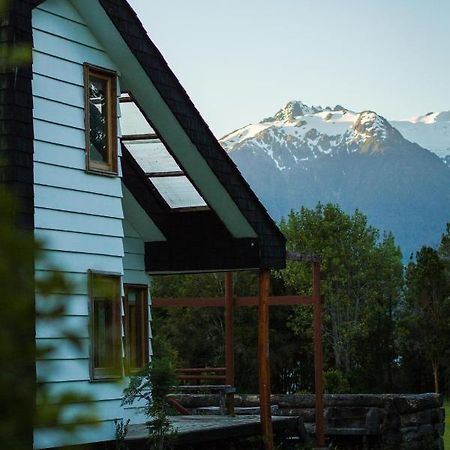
(361, 284)
(425, 316)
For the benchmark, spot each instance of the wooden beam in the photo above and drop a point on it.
(263, 359)
(140, 137)
(229, 339)
(188, 302)
(173, 173)
(201, 377)
(203, 302)
(276, 300)
(187, 370)
(318, 356)
(302, 257)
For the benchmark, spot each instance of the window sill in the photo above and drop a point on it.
(102, 172)
(106, 379)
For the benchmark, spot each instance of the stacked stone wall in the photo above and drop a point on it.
(385, 421)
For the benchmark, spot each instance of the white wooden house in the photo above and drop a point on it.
(121, 178)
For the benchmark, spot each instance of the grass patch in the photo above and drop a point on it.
(447, 425)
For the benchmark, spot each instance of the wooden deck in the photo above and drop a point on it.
(196, 429)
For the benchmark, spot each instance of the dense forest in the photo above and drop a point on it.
(385, 324)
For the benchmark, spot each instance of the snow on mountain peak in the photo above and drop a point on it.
(293, 110)
(431, 131)
(370, 125)
(299, 121)
(431, 117)
(306, 132)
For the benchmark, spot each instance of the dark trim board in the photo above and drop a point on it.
(201, 255)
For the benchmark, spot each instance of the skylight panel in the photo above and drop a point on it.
(152, 156)
(132, 121)
(178, 192)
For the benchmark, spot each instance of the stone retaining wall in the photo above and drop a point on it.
(385, 421)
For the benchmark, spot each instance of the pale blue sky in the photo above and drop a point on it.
(240, 61)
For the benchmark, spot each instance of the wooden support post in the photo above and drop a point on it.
(229, 340)
(263, 359)
(318, 356)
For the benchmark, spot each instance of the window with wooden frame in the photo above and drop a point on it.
(136, 327)
(100, 88)
(105, 326)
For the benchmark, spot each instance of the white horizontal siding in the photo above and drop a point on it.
(63, 370)
(59, 113)
(58, 90)
(48, 437)
(133, 261)
(96, 391)
(78, 222)
(69, 241)
(74, 304)
(70, 50)
(77, 326)
(79, 262)
(59, 155)
(78, 216)
(49, 197)
(78, 282)
(60, 68)
(76, 180)
(65, 27)
(62, 348)
(60, 8)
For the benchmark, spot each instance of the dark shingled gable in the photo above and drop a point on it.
(16, 175)
(16, 115)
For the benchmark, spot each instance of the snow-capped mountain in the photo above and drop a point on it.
(310, 131)
(305, 154)
(431, 131)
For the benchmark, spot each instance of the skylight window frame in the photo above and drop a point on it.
(156, 136)
(109, 167)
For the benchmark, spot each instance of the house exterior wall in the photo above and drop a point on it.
(78, 218)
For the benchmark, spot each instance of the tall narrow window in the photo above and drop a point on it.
(106, 348)
(100, 119)
(136, 328)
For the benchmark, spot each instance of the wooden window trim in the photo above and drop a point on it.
(110, 167)
(144, 320)
(98, 374)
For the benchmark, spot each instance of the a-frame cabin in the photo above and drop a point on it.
(120, 178)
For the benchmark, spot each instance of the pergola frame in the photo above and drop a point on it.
(263, 301)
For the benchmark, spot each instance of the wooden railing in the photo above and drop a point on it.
(201, 374)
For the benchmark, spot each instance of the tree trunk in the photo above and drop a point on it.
(435, 366)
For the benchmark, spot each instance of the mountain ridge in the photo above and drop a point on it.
(302, 155)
